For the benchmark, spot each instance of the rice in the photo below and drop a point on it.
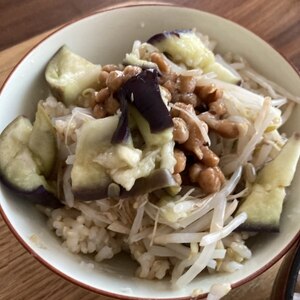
(81, 232)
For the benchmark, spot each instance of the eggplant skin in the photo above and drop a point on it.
(68, 74)
(85, 194)
(259, 227)
(142, 91)
(89, 179)
(43, 197)
(38, 195)
(19, 171)
(163, 35)
(42, 142)
(159, 179)
(264, 204)
(185, 46)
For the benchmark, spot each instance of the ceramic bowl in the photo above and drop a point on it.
(104, 38)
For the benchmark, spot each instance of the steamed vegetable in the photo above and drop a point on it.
(158, 179)
(105, 152)
(42, 141)
(144, 94)
(12, 139)
(222, 73)
(127, 176)
(149, 112)
(68, 74)
(142, 91)
(126, 164)
(264, 204)
(100, 168)
(20, 168)
(163, 141)
(184, 46)
(134, 60)
(89, 179)
(121, 134)
(151, 139)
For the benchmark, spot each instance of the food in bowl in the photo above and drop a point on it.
(152, 156)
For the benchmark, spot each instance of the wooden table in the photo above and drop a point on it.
(24, 23)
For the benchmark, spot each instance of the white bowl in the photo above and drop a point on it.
(105, 38)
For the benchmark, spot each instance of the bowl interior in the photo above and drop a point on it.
(105, 38)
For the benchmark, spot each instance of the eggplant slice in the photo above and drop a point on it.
(142, 92)
(265, 201)
(68, 74)
(42, 141)
(89, 179)
(185, 46)
(19, 169)
(158, 179)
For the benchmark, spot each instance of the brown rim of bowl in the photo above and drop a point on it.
(100, 291)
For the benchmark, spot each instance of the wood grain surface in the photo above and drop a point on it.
(24, 23)
(276, 21)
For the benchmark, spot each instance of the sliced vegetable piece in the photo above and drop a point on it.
(68, 74)
(22, 172)
(263, 207)
(119, 157)
(12, 139)
(127, 176)
(264, 204)
(121, 134)
(89, 179)
(130, 155)
(132, 59)
(183, 46)
(222, 73)
(42, 141)
(158, 179)
(151, 139)
(18, 167)
(143, 92)
(281, 170)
